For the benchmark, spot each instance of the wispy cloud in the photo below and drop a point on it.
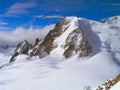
(49, 16)
(20, 8)
(115, 4)
(4, 28)
(3, 23)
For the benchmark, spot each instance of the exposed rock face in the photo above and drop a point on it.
(109, 83)
(36, 47)
(117, 79)
(76, 43)
(106, 86)
(72, 42)
(22, 48)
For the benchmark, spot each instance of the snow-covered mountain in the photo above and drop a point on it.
(22, 48)
(77, 36)
(77, 53)
(66, 39)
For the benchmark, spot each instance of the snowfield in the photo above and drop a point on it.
(54, 72)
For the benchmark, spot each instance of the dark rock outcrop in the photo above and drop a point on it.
(22, 48)
(106, 86)
(109, 83)
(36, 41)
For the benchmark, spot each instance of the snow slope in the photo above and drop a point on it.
(116, 87)
(60, 41)
(5, 55)
(54, 72)
(51, 73)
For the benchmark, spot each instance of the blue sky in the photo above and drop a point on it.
(38, 13)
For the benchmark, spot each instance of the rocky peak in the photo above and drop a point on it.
(22, 48)
(67, 35)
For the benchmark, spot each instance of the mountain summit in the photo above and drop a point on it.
(66, 39)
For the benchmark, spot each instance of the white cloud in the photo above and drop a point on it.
(49, 16)
(20, 34)
(3, 23)
(20, 8)
(4, 28)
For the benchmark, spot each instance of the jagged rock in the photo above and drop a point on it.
(36, 48)
(106, 86)
(109, 83)
(22, 48)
